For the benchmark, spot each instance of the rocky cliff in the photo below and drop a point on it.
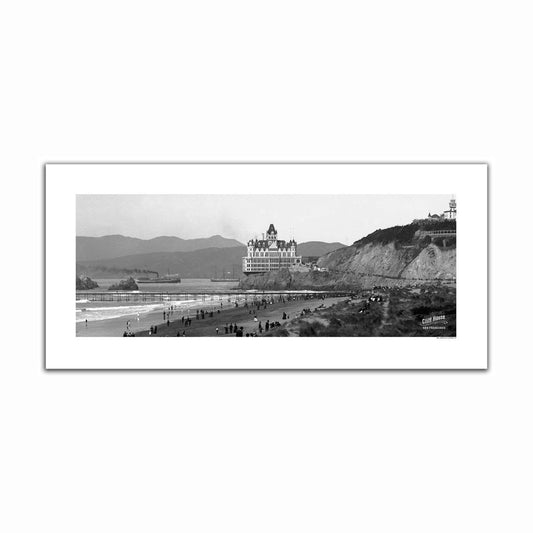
(84, 283)
(400, 254)
(394, 256)
(125, 285)
(286, 280)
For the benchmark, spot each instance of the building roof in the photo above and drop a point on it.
(271, 229)
(265, 244)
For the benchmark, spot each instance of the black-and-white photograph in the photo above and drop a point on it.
(266, 256)
(360, 262)
(266, 265)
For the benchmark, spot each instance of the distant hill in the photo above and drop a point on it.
(115, 255)
(318, 248)
(111, 246)
(194, 264)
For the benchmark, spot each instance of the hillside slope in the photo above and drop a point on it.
(111, 246)
(401, 252)
(394, 256)
(195, 264)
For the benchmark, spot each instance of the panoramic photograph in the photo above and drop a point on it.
(266, 265)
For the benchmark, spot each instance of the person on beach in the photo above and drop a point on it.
(216, 330)
(267, 325)
(151, 330)
(231, 328)
(226, 329)
(168, 323)
(85, 322)
(138, 317)
(155, 330)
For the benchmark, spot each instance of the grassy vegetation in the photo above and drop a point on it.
(341, 320)
(400, 314)
(404, 234)
(439, 224)
(408, 308)
(399, 234)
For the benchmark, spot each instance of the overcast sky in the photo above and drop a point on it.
(343, 218)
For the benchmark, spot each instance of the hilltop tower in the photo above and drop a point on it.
(272, 234)
(451, 213)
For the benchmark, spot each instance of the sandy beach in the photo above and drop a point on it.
(240, 315)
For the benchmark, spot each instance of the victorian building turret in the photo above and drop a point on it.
(270, 253)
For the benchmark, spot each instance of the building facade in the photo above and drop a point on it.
(449, 214)
(270, 254)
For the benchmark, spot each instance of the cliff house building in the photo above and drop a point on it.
(270, 254)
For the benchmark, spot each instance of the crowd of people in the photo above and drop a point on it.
(254, 306)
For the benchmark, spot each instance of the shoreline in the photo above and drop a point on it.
(242, 316)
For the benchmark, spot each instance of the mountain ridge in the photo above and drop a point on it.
(116, 245)
(111, 247)
(201, 263)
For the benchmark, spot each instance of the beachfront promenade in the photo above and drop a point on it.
(120, 296)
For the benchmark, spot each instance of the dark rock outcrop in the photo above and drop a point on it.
(285, 279)
(84, 283)
(125, 285)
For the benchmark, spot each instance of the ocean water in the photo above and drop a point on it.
(97, 311)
